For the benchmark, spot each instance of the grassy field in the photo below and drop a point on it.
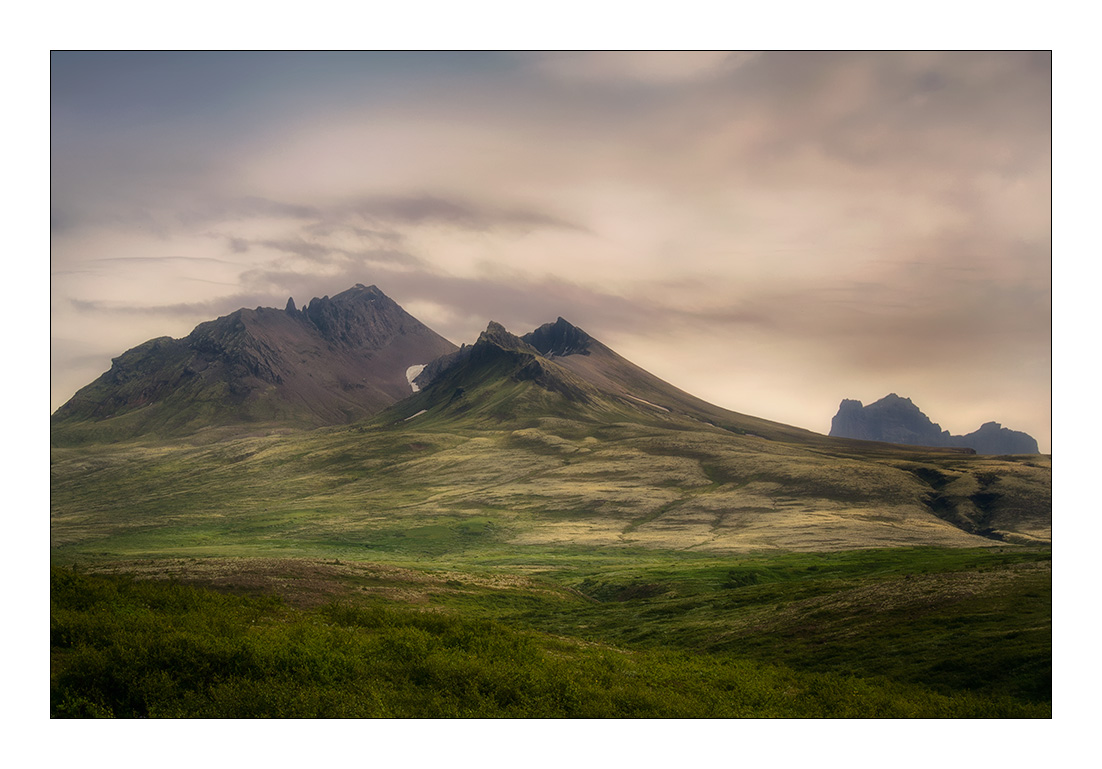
(422, 566)
(897, 633)
(401, 489)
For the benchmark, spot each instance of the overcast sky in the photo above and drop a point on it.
(773, 232)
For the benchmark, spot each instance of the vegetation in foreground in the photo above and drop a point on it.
(901, 633)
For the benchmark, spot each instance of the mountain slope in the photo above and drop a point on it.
(597, 364)
(897, 420)
(337, 360)
(617, 388)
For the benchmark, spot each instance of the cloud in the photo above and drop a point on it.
(422, 209)
(327, 228)
(159, 260)
(254, 207)
(315, 252)
(938, 110)
(617, 68)
(186, 309)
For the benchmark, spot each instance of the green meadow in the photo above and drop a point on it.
(907, 633)
(547, 568)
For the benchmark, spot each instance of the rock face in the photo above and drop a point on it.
(333, 361)
(893, 419)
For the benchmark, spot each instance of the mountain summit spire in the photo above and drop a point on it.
(559, 339)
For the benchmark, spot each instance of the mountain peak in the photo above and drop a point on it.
(560, 339)
(360, 292)
(362, 316)
(498, 336)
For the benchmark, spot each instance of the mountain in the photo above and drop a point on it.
(572, 374)
(893, 419)
(334, 361)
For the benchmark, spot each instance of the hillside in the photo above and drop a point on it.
(334, 361)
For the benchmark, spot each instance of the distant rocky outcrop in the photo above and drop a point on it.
(993, 438)
(893, 419)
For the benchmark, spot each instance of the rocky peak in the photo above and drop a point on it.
(892, 419)
(361, 317)
(893, 401)
(496, 335)
(360, 291)
(560, 338)
(491, 343)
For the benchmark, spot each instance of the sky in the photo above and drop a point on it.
(773, 232)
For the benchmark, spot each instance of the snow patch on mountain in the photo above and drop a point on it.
(411, 374)
(655, 405)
